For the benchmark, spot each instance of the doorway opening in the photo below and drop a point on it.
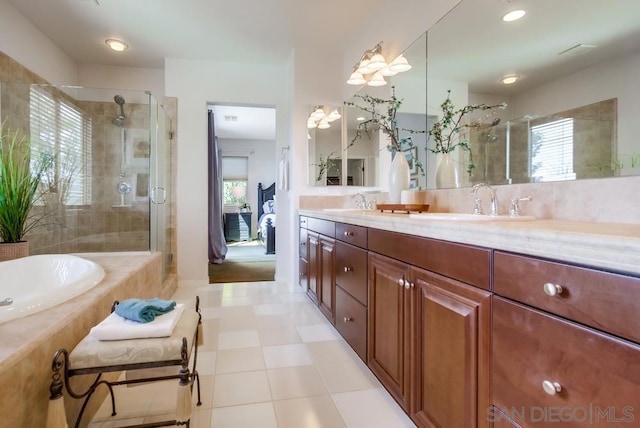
(246, 154)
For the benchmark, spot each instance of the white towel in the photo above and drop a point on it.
(283, 175)
(115, 327)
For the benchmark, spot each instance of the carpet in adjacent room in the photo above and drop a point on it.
(242, 271)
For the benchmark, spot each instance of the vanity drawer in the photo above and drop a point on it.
(351, 322)
(598, 374)
(602, 300)
(354, 235)
(351, 270)
(323, 227)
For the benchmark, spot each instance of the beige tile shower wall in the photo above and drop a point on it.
(100, 226)
(104, 225)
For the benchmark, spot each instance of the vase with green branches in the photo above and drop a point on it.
(451, 132)
(383, 117)
(20, 180)
(323, 165)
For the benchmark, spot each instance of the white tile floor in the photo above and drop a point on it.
(269, 360)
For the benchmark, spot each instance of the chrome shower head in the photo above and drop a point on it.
(119, 120)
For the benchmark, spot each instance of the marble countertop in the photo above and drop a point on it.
(608, 246)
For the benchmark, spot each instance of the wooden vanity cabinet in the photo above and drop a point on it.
(566, 344)
(303, 264)
(429, 331)
(390, 345)
(320, 251)
(550, 372)
(351, 286)
(452, 336)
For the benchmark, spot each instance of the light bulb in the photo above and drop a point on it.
(377, 62)
(334, 115)
(116, 45)
(356, 78)
(377, 80)
(324, 124)
(400, 64)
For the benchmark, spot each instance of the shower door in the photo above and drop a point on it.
(160, 184)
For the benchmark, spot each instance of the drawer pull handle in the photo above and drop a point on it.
(303, 243)
(347, 269)
(408, 285)
(551, 388)
(401, 282)
(348, 233)
(347, 319)
(552, 289)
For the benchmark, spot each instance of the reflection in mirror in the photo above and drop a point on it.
(324, 137)
(371, 148)
(575, 95)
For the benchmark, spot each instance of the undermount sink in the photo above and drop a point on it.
(469, 217)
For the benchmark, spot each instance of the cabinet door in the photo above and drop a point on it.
(452, 356)
(389, 315)
(327, 277)
(313, 263)
(550, 372)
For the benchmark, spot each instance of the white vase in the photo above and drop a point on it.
(399, 176)
(447, 175)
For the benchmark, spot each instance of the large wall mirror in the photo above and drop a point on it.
(368, 154)
(572, 113)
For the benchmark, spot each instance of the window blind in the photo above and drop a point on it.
(552, 151)
(60, 129)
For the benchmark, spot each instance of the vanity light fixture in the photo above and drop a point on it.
(372, 68)
(514, 15)
(116, 45)
(510, 79)
(318, 118)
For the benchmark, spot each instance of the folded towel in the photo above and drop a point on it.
(115, 327)
(144, 310)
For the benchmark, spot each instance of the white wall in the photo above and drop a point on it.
(197, 84)
(106, 76)
(27, 45)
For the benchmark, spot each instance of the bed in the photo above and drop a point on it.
(267, 217)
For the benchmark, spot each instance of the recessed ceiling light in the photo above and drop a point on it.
(116, 45)
(360, 118)
(514, 15)
(510, 79)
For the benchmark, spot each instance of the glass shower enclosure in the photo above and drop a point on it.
(108, 189)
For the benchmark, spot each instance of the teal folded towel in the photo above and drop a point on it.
(144, 310)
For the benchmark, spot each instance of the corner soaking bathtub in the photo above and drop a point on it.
(32, 284)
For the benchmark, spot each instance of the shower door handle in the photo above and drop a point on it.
(154, 195)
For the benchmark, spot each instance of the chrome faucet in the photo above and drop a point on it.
(477, 207)
(362, 203)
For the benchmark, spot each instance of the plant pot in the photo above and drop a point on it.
(399, 177)
(13, 250)
(447, 175)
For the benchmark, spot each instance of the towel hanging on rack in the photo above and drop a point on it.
(283, 174)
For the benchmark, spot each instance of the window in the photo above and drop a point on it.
(60, 129)
(235, 170)
(552, 151)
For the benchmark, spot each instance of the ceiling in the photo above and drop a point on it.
(247, 31)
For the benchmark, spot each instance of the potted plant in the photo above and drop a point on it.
(383, 112)
(20, 176)
(448, 134)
